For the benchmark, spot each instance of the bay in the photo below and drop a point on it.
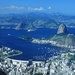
(30, 50)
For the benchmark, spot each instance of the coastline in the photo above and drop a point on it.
(38, 41)
(15, 54)
(15, 61)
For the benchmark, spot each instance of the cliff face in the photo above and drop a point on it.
(62, 29)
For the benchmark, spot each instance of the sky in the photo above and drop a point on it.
(49, 6)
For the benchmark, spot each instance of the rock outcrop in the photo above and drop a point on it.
(62, 29)
(63, 38)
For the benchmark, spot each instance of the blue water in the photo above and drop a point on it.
(30, 50)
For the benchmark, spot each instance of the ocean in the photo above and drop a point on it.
(9, 38)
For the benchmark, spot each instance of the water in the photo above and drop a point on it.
(30, 50)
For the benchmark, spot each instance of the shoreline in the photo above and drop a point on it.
(15, 54)
(42, 41)
(22, 61)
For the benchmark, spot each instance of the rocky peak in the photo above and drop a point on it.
(62, 29)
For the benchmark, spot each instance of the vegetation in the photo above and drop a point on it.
(10, 54)
(16, 52)
(31, 20)
(64, 39)
(26, 37)
(39, 74)
(35, 20)
(60, 38)
(71, 57)
(2, 72)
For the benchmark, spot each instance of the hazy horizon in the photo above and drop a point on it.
(48, 6)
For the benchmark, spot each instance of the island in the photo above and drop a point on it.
(26, 37)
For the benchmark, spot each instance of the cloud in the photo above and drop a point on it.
(29, 8)
(15, 7)
(12, 7)
(1, 7)
(49, 8)
(36, 9)
(41, 8)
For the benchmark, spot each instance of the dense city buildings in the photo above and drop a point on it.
(62, 64)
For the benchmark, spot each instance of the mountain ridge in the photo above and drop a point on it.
(37, 20)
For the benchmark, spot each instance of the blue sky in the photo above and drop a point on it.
(50, 6)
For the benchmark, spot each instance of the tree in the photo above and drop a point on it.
(2, 73)
(39, 74)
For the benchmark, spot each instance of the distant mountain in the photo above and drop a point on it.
(37, 20)
(24, 26)
(72, 24)
(20, 26)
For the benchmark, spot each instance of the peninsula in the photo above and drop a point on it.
(62, 38)
(6, 52)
